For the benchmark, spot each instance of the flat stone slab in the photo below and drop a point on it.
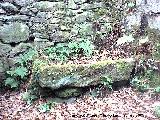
(57, 76)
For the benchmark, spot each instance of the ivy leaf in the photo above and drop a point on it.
(87, 47)
(11, 82)
(10, 72)
(131, 4)
(157, 89)
(21, 71)
(44, 107)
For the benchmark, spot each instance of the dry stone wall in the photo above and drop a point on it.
(38, 23)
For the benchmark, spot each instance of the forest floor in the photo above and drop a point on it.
(124, 104)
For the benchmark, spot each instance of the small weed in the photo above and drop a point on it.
(45, 107)
(27, 96)
(157, 111)
(63, 51)
(11, 82)
(20, 71)
(107, 81)
(140, 84)
(157, 89)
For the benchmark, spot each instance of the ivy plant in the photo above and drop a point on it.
(21, 69)
(140, 84)
(63, 51)
(157, 111)
(107, 81)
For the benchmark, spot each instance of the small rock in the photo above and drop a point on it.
(21, 48)
(14, 33)
(24, 3)
(9, 8)
(14, 18)
(5, 49)
(2, 11)
(26, 11)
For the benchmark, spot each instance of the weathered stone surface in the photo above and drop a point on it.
(21, 48)
(86, 6)
(14, 18)
(9, 8)
(5, 49)
(79, 2)
(150, 6)
(23, 3)
(40, 35)
(44, 15)
(14, 33)
(40, 43)
(38, 27)
(72, 5)
(26, 11)
(151, 9)
(81, 18)
(57, 36)
(48, 6)
(2, 11)
(3, 68)
(82, 75)
(68, 92)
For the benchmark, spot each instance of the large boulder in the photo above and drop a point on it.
(14, 33)
(76, 76)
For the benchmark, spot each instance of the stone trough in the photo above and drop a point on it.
(70, 79)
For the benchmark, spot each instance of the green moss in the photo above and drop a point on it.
(69, 92)
(59, 71)
(122, 66)
(81, 75)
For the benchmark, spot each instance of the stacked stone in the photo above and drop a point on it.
(34, 23)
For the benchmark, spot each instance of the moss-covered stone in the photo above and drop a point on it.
(82, 75)
(68, 92)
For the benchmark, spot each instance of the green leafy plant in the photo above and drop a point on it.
(157, 89)
(63, 51)
(45, 107)
(11, 82)
(107, 81)
(140, 83)
(157, 111)
(20, 71)
(29, 97)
